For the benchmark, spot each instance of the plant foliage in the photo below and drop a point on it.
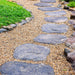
(11, 13)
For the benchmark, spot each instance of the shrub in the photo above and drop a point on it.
(69, 0)
(71, 4)
(11, 13)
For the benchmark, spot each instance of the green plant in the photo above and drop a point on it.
(11, 13)
(71, 4)
(69, 0)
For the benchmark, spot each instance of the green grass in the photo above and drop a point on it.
(71, 4)
(69, 0)
(11, 13)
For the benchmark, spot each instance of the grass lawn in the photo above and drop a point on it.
(11, 13)
(71, 3)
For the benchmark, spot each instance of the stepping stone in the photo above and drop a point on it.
(56, 19)
(54, 28)
(21, 68)
(50, 39)
(31, 52)
(73, 34)
(43, 4)
(49, 8)
(48, 1)
(72, 22)
(72, 15)
(70, 42)
(58, 13)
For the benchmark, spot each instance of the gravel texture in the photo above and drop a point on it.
(56, 19)
(50, 39)
(56, 13)
(26, 33)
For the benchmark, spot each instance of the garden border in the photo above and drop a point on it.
(12, 26)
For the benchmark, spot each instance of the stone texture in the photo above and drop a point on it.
(59, 6)
(72, 22)
(72, 55)
(63, 2)
(54, 28)
(56, 19)
(13, 25)
(23, 22)
(49, 8)
(31, 52)
(48, 1)
(3, 30)
(70, 42)
(50, 38)
(28, 19)
(66, 7)
(72, 15)
(57, 13)
(73, 27)
(21, 68)
(43, 4)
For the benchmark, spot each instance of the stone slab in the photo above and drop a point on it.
(49, 8)
(31, 52)
(21, 68)
(13, 25)
(54, 28)
(50, 39)
(72, 15)
(43, 4)
(56, 19)
(57, 13)
(48, 1)
(70, 42)
(2, 30)
(72, 22)
(73, 34)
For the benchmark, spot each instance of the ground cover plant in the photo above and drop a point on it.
(71, 4)
(11, 13)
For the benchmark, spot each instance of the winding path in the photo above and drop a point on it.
(39, 44)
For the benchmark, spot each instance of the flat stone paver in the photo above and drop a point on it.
(21, 68)
(31, 52)
(43, 4)
(54, 28)
(48, 1)
(56, 19)
(50, 38)
(57, 13)
(49, 8)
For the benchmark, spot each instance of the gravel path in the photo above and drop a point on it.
(26, 33)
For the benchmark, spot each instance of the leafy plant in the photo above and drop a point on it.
(11, 13)
(71, 4)
(69, 0)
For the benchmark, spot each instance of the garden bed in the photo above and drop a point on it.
(10, 13)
